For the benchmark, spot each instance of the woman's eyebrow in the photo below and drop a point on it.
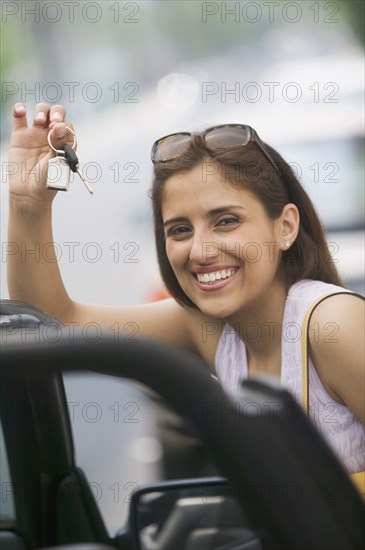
(210, 213)
(174, 220)
(222, 209)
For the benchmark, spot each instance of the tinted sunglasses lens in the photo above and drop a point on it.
(227, 136)
(171, 147)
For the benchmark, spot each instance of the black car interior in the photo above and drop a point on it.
(294, 490)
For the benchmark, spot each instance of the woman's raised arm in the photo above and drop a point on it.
(37, 280)
(31, 277)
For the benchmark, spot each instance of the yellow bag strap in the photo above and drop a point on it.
(358, 478)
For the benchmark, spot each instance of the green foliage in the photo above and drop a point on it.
(354, 11)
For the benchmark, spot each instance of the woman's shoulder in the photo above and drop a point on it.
(336, 339)
(304, 294)
(312, 289)
(327, 301)
(344, 312)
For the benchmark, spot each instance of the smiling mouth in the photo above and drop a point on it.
(212, 278)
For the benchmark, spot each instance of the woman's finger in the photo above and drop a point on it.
(41, 115)
(57, 113)
(19, 116)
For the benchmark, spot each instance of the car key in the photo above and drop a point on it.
(58, 174)
(73, 163)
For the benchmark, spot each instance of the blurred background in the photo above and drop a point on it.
(131, 72)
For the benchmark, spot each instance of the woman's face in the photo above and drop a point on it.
(222, 246)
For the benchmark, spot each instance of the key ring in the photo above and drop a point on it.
(60, 151)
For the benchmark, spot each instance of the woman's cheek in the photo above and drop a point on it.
(174, 253)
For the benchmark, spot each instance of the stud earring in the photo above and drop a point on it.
(287, 245)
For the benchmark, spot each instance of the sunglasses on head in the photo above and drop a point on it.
(225, 136)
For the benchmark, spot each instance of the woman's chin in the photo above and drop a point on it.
(218, 310)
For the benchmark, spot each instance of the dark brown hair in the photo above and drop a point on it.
(248, 168)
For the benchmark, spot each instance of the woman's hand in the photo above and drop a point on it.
(30, 152)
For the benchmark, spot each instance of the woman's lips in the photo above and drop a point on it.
(213, 278)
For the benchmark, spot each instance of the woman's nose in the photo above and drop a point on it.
(203, 250)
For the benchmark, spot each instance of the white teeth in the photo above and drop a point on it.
(215, 276)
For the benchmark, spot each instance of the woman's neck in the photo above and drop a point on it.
(260, 327)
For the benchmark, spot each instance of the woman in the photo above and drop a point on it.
(241, 251)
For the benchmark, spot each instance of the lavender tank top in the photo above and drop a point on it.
(339, 426)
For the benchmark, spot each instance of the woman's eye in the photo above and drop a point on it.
(179, 231)
(231, 220)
